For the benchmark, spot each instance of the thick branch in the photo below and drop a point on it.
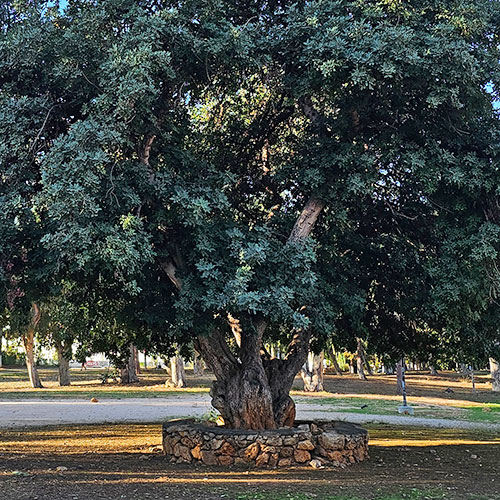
(307, 219)
(144, 155)
(170, 269)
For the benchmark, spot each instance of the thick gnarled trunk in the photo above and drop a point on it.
(63, 358)
(312, 373)
(252, 391)
(495, 375)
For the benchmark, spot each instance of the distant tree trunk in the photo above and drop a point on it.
(137, 361)
(312, 373)
(198, 366)
(177, 372)
(352, 366)
(495, 375)
(29, 347)
(359, 360)
(63, 358)
(462, 369)
(335, 363)
(364, 359)
(128, 373)
(1, 340)
(433, 370)
(399, 377)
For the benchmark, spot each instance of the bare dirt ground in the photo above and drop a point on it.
(122, 461)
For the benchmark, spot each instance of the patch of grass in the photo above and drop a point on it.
(413, 494)
(97, 392)
(487, 412)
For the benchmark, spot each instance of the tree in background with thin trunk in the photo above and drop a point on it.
(28, 338)
(495, 375)
(177, 372)
(312, 372)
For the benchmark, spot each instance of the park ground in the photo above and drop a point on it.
(112, 461)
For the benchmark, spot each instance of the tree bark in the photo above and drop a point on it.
(359, 365)
(1, 340)
(250, 390)
(29, 347)
(495, 375)
(399, 377)
(312, 373)
(63, 358)
(177, 372)
(198, 367)
(128, 373)
(335, 363)
(352, 366)
(361, 360)
(137, 361)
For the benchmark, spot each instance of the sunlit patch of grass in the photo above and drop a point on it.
(14, 384)
(381, 405)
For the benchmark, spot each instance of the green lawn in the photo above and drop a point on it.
(483, 412)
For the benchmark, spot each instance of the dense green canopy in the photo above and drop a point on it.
(310, 169)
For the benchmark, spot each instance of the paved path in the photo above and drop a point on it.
(40, 412)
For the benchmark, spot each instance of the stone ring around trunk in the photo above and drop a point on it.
(317, 443)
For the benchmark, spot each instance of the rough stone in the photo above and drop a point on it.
(252, 451)
(335, 456)
(225, 460)
(262, 459)
(226, 449)
(285, 462)
(316, 463)
(268, 449)
(273, 459)
(196, 452)
(215, 444)
(331, 440)
(286, 451)
(187, 442)
(306, 445)
(314, 428)
(290, 441)
(274, 441)
(301, 456)
(208, 457)
(183, 452)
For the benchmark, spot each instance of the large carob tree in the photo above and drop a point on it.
(249, 172)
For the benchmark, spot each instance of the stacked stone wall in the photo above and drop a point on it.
(317, 443)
